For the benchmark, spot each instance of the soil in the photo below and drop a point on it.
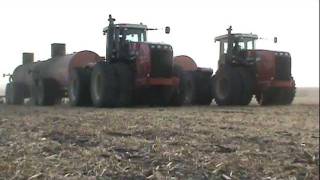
(209, 142)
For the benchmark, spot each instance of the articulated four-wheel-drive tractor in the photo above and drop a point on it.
(135, 71)
(244, 71)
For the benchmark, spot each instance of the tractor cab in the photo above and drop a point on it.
(120, 37)
(123, 39)
(234, 48)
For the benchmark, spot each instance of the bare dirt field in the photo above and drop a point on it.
(253, 142)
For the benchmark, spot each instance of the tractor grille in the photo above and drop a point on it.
(283, 67)
(161, 62)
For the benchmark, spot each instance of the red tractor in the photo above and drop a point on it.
(135, 71)
(244, 71)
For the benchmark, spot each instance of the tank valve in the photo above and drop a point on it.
(5, 75)
(8, 75)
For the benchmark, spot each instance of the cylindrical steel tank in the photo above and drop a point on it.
(185, 62)
(57, 68)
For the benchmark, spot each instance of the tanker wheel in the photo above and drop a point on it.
(227, 86)
(204, 86)
(45, 92)
(15, 93)
(247, 84)
(190, 88)
(8, 93)
(124, 77)
(79, 88)
(103, 85)
(179, 93)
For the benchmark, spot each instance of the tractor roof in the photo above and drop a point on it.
(136, 26)
(237, 35)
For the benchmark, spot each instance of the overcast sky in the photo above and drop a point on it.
(31, 26)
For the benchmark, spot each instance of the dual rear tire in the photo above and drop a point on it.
(195, 88)
(45, 92)
(15, 93)
(276, 96)
(233, 86)
(79, 88)
(111, 85)
(204, 85)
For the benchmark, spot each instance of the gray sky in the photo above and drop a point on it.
(31, 26)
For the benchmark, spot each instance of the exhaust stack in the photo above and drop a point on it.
(27, 58)
(58, 49)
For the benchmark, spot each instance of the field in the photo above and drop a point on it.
(253, 142)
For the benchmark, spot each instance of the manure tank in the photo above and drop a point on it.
(57, 68)
(185, 62)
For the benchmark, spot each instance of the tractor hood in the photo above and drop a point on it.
(277, 53)
(160, 46)
(272, 64)
(161, 59)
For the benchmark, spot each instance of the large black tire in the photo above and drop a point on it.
(287, 96)
(276, 96)
(103, 85)
(124, 78)
(45, 92)
(227, 86)
(8, 93)
(266, 97)
(190, 88)
(247, 85)
(212, 85)
(79, 88)
(204, 94)
(14, 93)
(179, 93)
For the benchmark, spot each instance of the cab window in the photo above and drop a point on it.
(134, 35)
(225, 47)
(250, 45)
(241, 45)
